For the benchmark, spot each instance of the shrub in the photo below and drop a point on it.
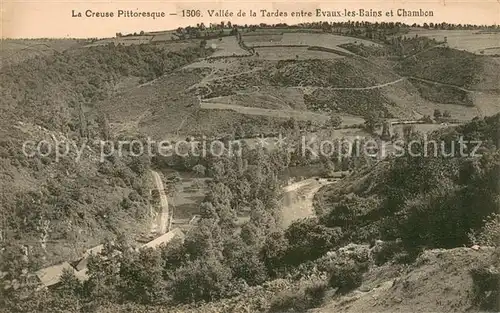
(310, 240)
(305, 298)
(346, 277)
(386, 251)
(490, 234)
(486, 288)
(199, 280)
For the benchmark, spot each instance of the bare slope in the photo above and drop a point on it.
(440, 281)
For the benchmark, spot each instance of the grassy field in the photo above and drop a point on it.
(260, 38)
(226, 46)
(308, 39)
(189, 194)
(274, 86)
(162, 36)
(266, 97)
(292, 53)
(281, 113)
(410, 104)
(468, 40)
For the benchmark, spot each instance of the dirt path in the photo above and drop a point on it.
(366, 88)
(162, 214)
(441, 84)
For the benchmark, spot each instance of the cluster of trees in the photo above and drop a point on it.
(219, 257)
(366, 24)
(49, 90)
(202, 31)
(432, 201)
(72, 200)
(373, 31)
(424, 201)
(397, 45)
(449, 66)
(438, 116)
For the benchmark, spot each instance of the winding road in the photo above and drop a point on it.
(162, 214)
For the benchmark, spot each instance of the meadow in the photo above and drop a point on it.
(468, 40)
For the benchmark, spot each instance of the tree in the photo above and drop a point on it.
(200, 170)
(426, 119)
(83, 121)
(244, 261)
(70, 287)
(201, 280)
(386, 134)
(409, 132)
(204, 240)
(437, 114)
(250, 234)
(326, 27)
(261, 217)
(274, 251)
(141, 277)
(103, 271)
(372, 121)
(309, 240)
(329, 167)
(104, 127)
(335, 121)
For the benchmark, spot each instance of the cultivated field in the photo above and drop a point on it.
(162, 36)
(187, 197)
(269, 97)
(308, 39)
(292, 53)
(268, 38)
(423, 128)
(347, 120)
(226, 46)
(469, 40)
(487, 103)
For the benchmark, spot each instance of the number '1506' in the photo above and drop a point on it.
(191, 13)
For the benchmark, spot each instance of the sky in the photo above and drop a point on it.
(53, 18)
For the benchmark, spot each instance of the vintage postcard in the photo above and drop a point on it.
(249, 156)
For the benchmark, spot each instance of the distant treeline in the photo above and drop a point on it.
(350, 28)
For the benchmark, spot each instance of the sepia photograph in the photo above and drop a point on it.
(249, 157)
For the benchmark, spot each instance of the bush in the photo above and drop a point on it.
(487, 288)
(490, 234)
(346, 266)
(346, 277)
(309, 240)
(299, 300)
(201, 280)
(386, 251)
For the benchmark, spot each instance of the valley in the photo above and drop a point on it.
(272, 184)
